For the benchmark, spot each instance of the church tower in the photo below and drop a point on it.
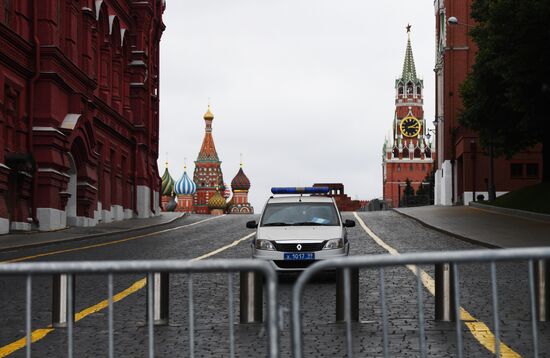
(208, 173)
(407, 155)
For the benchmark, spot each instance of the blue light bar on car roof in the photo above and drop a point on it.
(298, 190)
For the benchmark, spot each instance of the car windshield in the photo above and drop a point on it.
(300, 214)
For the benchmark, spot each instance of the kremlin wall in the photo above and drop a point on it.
(206, 193)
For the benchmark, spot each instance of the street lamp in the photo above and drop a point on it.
(454, 21)
(428, 135)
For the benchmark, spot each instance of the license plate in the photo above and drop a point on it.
(299, 256)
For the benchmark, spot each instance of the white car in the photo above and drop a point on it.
(295, 231)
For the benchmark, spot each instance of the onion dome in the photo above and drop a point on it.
(240, 182)
(227, 191)
(167, 183)
(216, 202)
(185, 186)
(208, 115)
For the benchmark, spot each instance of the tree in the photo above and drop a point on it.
(507, 94)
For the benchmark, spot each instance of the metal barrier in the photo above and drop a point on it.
(447, 290)
(157, 293)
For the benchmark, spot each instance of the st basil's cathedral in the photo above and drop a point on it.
(206, 193)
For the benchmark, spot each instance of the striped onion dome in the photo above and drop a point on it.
(185, 186)
(240, 182)
(227, 191)
(216, 201)
(167, 183)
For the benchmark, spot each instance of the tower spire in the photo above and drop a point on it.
(409, 69)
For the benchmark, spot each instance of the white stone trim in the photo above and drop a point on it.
(128, 214)
(51, 219)
(117, 212)
(443, 184)
(106, 216)
(47, 129)
(4, 226)
(51, 170)
(81, 221)
(70, 121)
(20, 226)
(84, 183)
(143, 203)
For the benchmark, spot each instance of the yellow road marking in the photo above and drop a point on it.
(136, 286)
(26, 258)
(481, 332)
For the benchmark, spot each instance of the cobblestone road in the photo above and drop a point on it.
(322, 337)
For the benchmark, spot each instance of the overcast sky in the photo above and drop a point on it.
(303, 88)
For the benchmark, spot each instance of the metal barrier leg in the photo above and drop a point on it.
(542, 290)
(252, 304)
(161, 300)
(354, 295)
(444, 293)
(60, 301)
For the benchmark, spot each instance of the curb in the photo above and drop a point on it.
(92, 236)
(449, 233)
(520, 213)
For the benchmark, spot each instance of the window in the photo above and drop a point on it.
(400, 90)
(532, 170)
(418, 90)
(7, 13)
(516, 170)
(289, 214)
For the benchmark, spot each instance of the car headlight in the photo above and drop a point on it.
(264, 245)
(334, 244)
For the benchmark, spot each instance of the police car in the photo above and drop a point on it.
(296, 230)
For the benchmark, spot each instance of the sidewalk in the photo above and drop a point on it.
(31, 239)
(483, 226)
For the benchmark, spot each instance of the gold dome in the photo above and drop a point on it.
(216, 201)
(208, 115)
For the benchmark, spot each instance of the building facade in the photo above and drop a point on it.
(343, 201)
(462, 167)
(208, 172)
(408, 154)
(79, 112)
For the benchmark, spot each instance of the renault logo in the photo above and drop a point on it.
(299, 247)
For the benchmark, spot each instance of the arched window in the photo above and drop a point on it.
(410, 88)
(400, 90)
(417, 153)
(419, 90)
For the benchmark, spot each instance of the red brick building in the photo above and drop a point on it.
(343, 202)
(79, 111)
(462, 168)
(408, 154)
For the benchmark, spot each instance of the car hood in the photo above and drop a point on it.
(282, 233)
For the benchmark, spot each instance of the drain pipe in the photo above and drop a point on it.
(31, 104)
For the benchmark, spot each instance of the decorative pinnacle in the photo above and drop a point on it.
(184, 164)
(241, 160)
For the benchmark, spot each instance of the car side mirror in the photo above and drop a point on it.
(349, 223)
(252, 224)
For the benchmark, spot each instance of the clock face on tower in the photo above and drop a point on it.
(410, 126)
